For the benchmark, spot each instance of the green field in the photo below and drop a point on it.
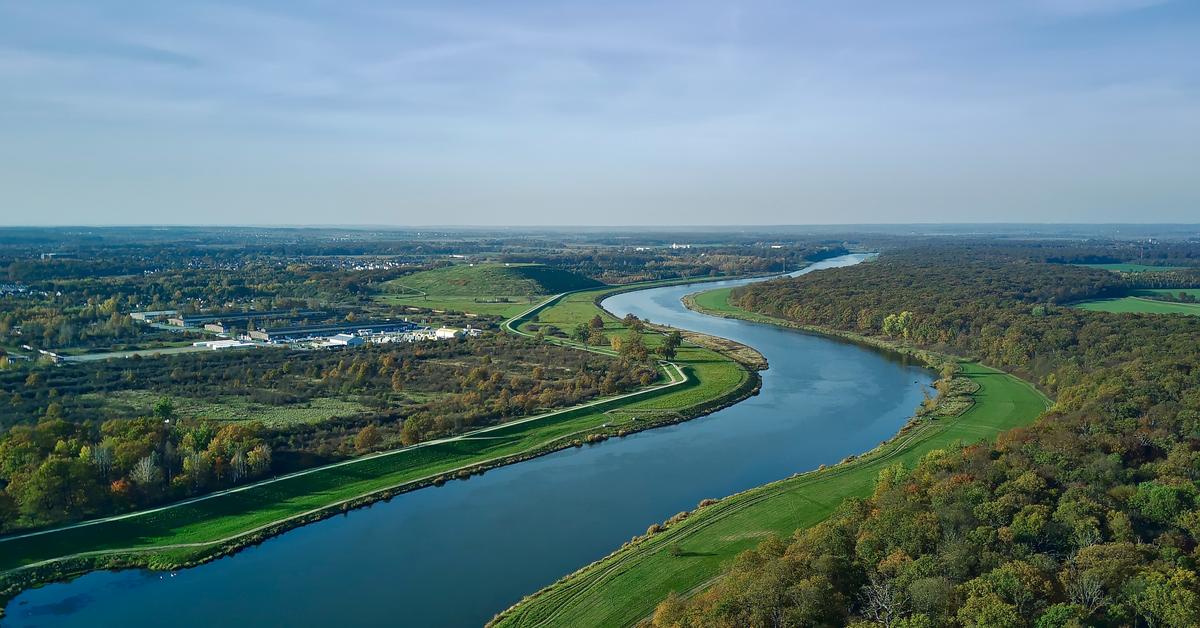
(494, 289)
(624, 587)
(715, 302)
(1127, 267)
(178, 534)
(1139, 305)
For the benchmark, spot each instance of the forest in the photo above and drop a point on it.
(68, 452)
(1089, 517)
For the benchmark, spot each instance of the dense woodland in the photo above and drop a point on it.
(67, 454)
(1089, 517)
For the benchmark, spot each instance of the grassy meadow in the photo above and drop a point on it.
(240, 409)
(1139, 305)
(491, 289)
(1146, 301)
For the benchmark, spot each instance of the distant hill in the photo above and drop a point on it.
(491, 280)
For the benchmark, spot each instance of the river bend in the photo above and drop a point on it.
(456, 555)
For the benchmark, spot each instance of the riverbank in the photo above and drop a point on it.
(690, 549)
(700, 382)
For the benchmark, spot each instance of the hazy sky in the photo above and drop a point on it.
(602, 112)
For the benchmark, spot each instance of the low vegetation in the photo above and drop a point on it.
(482, 280)
(498, 289)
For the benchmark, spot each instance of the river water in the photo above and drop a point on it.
(456, 555)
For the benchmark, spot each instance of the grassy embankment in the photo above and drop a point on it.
(625, 586)
(200, 530)
(493, 289)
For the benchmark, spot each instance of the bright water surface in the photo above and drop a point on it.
(455, 555)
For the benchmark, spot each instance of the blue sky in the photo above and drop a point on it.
(616, 112)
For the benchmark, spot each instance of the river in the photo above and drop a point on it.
(456, 555)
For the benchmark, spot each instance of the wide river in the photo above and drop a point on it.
(456, 555)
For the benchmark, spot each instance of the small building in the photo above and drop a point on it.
(310, 332)
(12, 288)
(344, 340)
(223, 344)
(447, 333)
(219, 328)
(153, 315)
(243, 317)
(52, 356)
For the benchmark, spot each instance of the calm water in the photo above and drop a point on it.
(455, 555)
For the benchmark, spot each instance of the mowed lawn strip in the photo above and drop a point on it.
(221, 517)
(625, 587)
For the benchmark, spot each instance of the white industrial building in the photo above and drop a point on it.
(343, 340)
(447, 333)
(223, 344)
